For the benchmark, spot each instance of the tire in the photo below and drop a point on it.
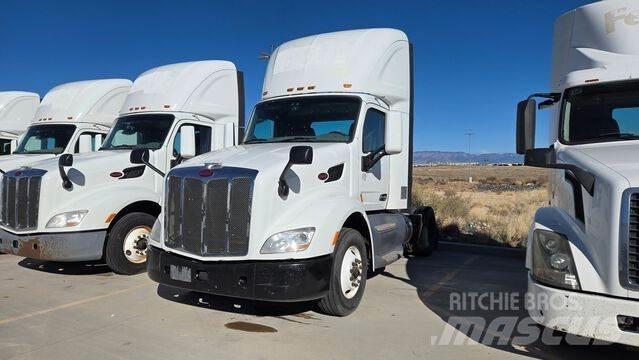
(130, 227)
(339, 302)
(428, 239)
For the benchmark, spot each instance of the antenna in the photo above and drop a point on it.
(470, 134)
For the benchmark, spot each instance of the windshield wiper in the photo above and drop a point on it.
(298, 138)
(621, 136)
(117, 147)
(255, 141)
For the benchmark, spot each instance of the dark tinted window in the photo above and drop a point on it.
(139, 131)
(601, 113)
(5, 146)
(304, 119)
(46, 139)
(374, 129)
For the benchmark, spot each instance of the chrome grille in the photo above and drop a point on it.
(21, 199)
(209, 216)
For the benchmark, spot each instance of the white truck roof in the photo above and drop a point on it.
(209, 88)
(94, 101)
(596, 42)
(369, 61)
(17, 109)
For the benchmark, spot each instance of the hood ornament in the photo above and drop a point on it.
(213, 165)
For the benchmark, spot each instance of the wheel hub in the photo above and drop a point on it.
(351, 272)
(136, 243)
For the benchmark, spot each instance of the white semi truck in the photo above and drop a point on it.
(101, 206)
(317, 194)
(583, 249)
(17, 108)
(72, 118)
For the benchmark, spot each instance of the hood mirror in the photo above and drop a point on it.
(65, 160)
(299, 155)
(141, 157)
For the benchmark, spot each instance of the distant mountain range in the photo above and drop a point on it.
(443, 157)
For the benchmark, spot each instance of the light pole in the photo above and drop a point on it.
(470, 134)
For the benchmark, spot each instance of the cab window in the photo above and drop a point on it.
(373, 134)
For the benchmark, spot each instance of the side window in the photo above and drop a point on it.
(202, 139)
(93, 140)
(373, 134)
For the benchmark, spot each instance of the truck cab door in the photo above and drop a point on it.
(373, 184)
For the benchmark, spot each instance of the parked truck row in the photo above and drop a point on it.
(314, 193)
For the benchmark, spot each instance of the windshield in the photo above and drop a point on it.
(139, 131)
(45, 139)
(307, 119)
(601, 113)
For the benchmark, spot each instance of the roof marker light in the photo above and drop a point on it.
(167, 106)
(142, 107)
(130, 109)
(592, 81)
(137, 108)
(348, 85)
(311, 87)
(69, 117)
(300, 88)
(265, 93)
(289, 89)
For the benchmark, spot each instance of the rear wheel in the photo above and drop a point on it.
(127, 243)
(428, 239)
(348, 275)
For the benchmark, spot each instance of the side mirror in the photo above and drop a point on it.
(98, 142)
(301, 155)
(393, 135)
(526, 118)
(65, 160)
(85, 145)
(187, 141)
(547, 158)
(139, 156)
(14, 146)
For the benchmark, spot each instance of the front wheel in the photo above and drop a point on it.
(127, 243)
(348, 274)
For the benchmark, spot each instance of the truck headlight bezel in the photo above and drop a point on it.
(66, 219)
(552, 261)
(288, 241)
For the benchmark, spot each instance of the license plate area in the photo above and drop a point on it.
(180, 273)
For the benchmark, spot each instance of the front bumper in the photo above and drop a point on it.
(61, 246)
(588, 315)
(273, 280)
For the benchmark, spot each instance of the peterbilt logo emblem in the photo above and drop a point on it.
(629, 17)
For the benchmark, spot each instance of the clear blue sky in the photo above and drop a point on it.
(473, 59)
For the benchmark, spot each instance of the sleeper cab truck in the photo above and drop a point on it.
(17, 108)
(72, 118)
(583, 249)
(316, 195)
(101, 206)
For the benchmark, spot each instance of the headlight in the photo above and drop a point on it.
(552, 260)
(67, 219)
(156, 231)
(288, 241)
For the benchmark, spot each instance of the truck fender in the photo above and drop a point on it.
(557, 220)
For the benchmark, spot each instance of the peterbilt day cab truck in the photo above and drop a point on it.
(583, 249)
(316, 195)
(101, 206)
(17, 109)
(72, 118)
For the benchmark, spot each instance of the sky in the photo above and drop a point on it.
(474, 60)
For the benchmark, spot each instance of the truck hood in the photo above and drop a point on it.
(618, 156)
(266, 158)
(11, 162)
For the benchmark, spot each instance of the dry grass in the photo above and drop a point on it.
(496, 209)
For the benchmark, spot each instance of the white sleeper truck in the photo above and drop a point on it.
(101, 206)
(17, 109)
(317, 194)
(583, 249)
(72, 118)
